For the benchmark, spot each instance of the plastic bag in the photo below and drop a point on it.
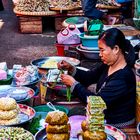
(69, 35)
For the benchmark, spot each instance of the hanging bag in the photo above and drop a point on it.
(69, 35)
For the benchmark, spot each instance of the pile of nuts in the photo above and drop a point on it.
(32, 6)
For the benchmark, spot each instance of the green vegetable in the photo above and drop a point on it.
(68, 94)
(35, 124)
(68, 91)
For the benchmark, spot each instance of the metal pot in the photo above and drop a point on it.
(90, 54)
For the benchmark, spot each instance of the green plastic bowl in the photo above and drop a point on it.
(7, 81)
(46, 109)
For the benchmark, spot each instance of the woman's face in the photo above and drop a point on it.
(108, 56)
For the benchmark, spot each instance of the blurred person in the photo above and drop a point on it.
(1, 6)
(90, 10)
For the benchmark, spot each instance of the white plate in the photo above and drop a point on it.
(89, 48)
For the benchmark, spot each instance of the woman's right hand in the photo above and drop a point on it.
(63, 65)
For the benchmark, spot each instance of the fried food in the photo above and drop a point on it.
(96, 135)
(7, 103)
(62, 136)
(84, 125)
(58, 128)
(57, 118)
(9, 122)
(7, 115)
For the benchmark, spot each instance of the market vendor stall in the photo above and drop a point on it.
(75, 111)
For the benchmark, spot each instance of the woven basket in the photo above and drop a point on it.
(64, 9)
(101, 6)
(48, 13)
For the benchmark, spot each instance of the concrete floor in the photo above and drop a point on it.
(18, 48)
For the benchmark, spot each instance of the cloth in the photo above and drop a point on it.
(89, 8)
(118, 92)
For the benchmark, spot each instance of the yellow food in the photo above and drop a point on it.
(7, 115)
(57, 118)
(96, 135)
(63, 136)
(7, 103)
(58, 128)
(9, 122)
(50, 63)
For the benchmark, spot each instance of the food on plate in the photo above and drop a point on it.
(7, 103)
(26, 75)
(18, 93)
(57, 118)
(96, 135)
(50, 63)
(15, 133)
(58, 127)
(84, 125)
(62, 136)
(9, 111)
(7, 115)
(93, 126)
(10, 121)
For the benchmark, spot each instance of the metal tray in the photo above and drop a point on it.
(112, 134)
(26, 114)
(39, 62)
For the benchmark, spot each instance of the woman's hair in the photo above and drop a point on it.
(114, 36)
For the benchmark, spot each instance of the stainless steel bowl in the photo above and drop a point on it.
(90, 54)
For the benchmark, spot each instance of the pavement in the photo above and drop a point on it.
(18, 48)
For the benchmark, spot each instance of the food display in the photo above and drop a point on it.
(32, 6)
(25, 75)
(9, 111)
(64, 4)
(58, 127)
(107, 2)
(15, 133)
(50, 63)
(93, 127)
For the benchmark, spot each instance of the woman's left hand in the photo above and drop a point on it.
(67, 79)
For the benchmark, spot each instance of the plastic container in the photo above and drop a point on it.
(7, 81)
(78, 21)
(90, 54)
(61, 48)
(89, 41)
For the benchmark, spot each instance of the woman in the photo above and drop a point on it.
(116, 82)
